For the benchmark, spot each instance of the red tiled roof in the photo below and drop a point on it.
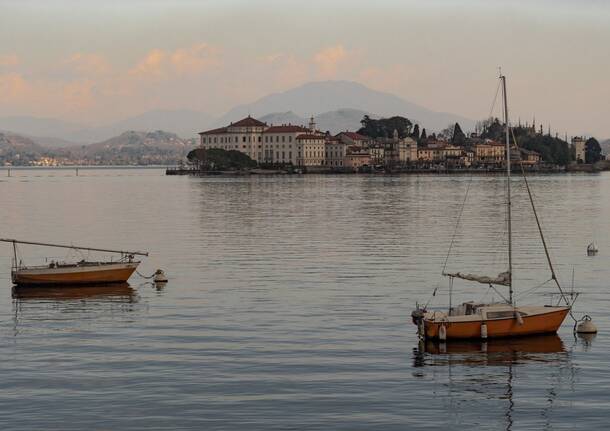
(214, 131)
(309, 136)
(355, 136)
(286, 129)
(248, 122)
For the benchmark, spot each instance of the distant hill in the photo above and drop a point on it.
(288, 117)
(56, 133)
(18, 150)
(136, 148)
(341, 120)
(326, 96)
(35, 126)
(333, 121)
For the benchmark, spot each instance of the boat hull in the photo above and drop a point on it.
(75, 275)
(540, 323)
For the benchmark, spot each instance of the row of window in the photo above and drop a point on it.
(235, 139)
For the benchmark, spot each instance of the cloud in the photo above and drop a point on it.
(195, 59)
(13, 86)
(189, 60)
(9, 60)
(89, 63)
(151, 64)
(329, 59)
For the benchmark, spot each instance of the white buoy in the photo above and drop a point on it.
(160, 276)
(586, 326)
(442, 333)
(484, 330)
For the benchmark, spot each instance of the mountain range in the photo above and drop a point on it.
(128, 148)
(336, 106)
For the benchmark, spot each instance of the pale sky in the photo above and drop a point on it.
(95, 62)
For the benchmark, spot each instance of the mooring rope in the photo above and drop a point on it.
(143, 276)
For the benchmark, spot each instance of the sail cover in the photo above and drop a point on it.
(503, 278)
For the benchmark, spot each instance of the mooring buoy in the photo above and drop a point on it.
(586, 326)
(160, 276)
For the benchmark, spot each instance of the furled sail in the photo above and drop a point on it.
(503, 278)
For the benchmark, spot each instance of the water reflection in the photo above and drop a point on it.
(543, 348)
(487, 370)
(116, 292)
(59, 307)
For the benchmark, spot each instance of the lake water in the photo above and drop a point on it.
(289, 300)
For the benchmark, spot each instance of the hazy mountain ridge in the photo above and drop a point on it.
(328, 96)
(336, 106)
(332, 121)
(129, 148)
(57, 133)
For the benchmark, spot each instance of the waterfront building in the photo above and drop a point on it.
(335, 152)
(529, 157)
(490, 153)
(377, 152)
(352, 138)
(260, 141)
(311, 149)
(578, 144)
(281, 144)
(357, 157)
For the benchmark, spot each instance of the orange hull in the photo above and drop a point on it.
(101, 275)
(508, 327)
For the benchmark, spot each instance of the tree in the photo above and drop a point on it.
(384, 127)
(415, 134)
(423, 135)
(458, 138)
(593, 151)
(219, 159)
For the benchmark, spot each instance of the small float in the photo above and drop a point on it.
(83, 272)
(592, 249)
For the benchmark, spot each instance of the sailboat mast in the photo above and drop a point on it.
(508, 201)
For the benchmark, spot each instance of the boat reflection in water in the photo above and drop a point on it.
(68, 308)
(113, 292)
(542, 348)
(479, 371)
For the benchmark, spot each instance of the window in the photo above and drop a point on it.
(259, 139)
(283, 138)
(289, 138)
(244, 147)
(243, 139)
(214, 139)
(290, 155)
(277, 154)
(277, 139)
(283, 155)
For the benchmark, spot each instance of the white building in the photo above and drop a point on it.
(261, 142)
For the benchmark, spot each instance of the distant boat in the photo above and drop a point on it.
(592, 249)
(83, 272)
(499, 319)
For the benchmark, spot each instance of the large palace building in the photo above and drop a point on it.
(287, 143)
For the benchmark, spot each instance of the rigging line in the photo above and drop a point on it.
(498, 292)
(457, 224)
(530, 290)
(493, 104)
(542, 238)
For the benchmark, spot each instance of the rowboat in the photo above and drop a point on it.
(83, 272)
(497, 319)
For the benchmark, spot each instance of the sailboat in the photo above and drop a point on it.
(497, 319)
(83, 272)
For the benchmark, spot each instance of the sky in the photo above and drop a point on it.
(96, 62)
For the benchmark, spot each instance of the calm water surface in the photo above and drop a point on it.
(288, 304)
